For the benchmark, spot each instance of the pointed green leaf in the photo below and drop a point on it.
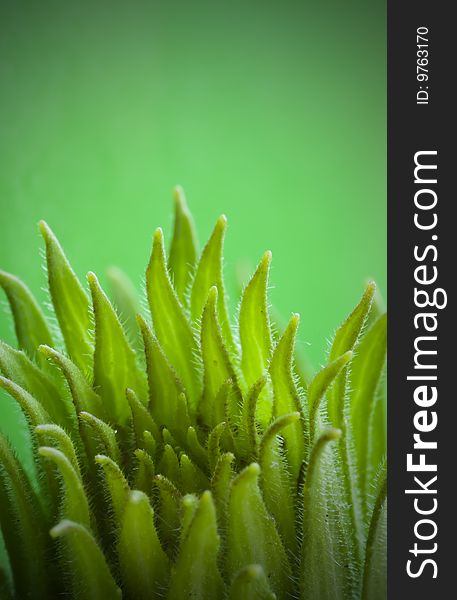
(348, 500)
(164, 386)
(346, 338)
(214, 450)
(171, 326)
(35, 415)
(70, 301)
(115, 367)
(367, 368)
(189, 506)
(105, 436)
(29, 322)
(254, 323)
(142, 420)
(23, 528)
(220, 486)
(183, 247)
(378, 307)
(75, 505)
(322, 567)
(169, 499)
(32, 409)
(255, 333)
(143, 563)
(84, 397)
(192, 478)
(16, 366)
(246, 441)
(90, 575)
(168, 438)
(279, 490)
(116, 484)
(210, 273)
(228, 397)
(149, 443)
(196, 450)
(195, 574)
(318, 387)
(54, 434)
(217, 367)
(286, 398)
(251, 583)
(252, 536)
(145, 472)
(169, 466)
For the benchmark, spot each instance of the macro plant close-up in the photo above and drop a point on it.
(183, 453)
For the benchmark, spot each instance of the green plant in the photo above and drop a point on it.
(185, 458)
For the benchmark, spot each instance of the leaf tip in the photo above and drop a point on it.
(46, 351)
(60, 529)
(266, 259)
(212, 296)
(179, 198)
(45, 230)
(221, 223)
(253, 470)
(333, 434)
(93, 282)
(347, 356)
(157, 239)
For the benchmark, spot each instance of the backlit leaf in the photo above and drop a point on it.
(183, 247)
(115, 367)
(70, 301)
(142, 420)
(84, 397)
(143, 563)
(171, 326)
(16, 366)
(169, 499)
(250, 583)
(255, 334)
(75, 505)
(144, 476)
(29, 322)
(210, 273)
(367, 368)
(286, 398)
(217, 368)
(164, 385)
(278, 487)
(345, 339)
(321, 568)
(116, 484)
(90, 575)
(318, 387)
(104, 435)
(195, 574)
(32, 409)
(252, 537)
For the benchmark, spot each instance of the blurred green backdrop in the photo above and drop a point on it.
(272, 112)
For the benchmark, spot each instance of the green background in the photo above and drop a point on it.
(271, 112)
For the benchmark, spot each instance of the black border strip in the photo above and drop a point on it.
(414, 128)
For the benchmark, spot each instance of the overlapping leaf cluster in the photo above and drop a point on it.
(180, 457)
